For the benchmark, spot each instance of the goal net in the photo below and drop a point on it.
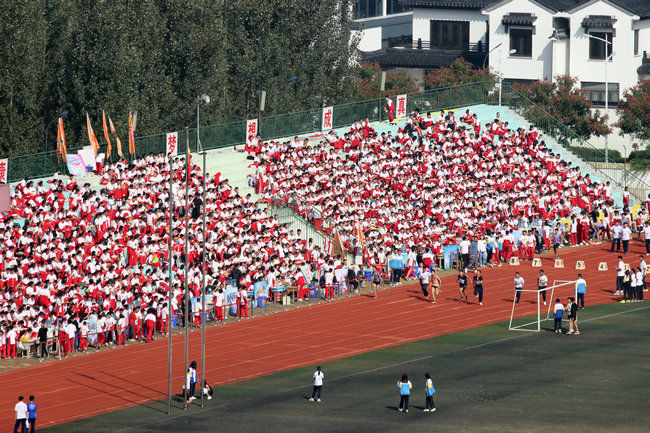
(560, 288)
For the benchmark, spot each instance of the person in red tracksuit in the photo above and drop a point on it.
(303, 292)
(242, 303)
(150, 320)
(390, 108)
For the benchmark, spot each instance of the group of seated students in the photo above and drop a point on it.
(435, 181)
(92, 266)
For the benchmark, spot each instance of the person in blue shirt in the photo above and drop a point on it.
(404, 386)
(31, 414)
(429, 391)
(581, 288)
(558, 313)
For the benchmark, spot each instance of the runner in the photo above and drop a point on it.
(477, 281)
(462, 284)
(436, 284)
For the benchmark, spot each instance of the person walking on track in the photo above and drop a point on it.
(581, 288)
(425, 279)
(318, 384)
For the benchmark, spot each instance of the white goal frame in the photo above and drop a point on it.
(556, 284)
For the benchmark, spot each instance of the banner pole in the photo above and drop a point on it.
(170, 261)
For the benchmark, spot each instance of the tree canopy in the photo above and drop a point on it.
(156, 56)
(634, 112)
(567, 103)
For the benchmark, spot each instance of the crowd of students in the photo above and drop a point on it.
(91, 266)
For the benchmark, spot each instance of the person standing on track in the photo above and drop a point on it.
(477, 281)
(542, 282)
(404, 386)
(462, 284)
(376, 280)
(429, 391)
(318, 384)
(519, 285)
(581, 288)
(21, 415)
(626, 232)
(620, 275)
(31, 414)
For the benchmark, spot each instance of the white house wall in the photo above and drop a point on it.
(423, 17)
(622, 68)
(537, 67)
(370, 38)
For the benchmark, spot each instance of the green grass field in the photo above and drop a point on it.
(488, 380)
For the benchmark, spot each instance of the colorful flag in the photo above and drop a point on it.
(91, 135)
(131, 135)
(106, 136)
(60, 138)
(117, 138)
(360, 236)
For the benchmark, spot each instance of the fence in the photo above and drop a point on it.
(290, 124)
(270, 127)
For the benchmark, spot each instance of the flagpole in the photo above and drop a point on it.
(187, 246)
(170, 261)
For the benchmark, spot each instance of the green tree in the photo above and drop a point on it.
(459, 72)
(565, 102)
(634, 112)
(368, 82)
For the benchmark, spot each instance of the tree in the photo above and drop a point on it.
(565, 102)
(459, 72)
(157, 56)
(634, 112)
(368, 82)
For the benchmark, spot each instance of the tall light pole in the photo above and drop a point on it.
(47, 130)
(186, 299)
(607, 59)
(203, 99)
(512, 51)
(170, 262)
(275, 99)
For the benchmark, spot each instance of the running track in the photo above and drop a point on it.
(109, 380)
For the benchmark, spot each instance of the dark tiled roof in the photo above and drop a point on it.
(599, 21)
(637, 7)
(414, 58)
(518, 19)
(448, 4)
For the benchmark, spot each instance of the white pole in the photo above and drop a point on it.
(607, 57)
(500, 76)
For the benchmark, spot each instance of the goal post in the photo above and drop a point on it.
(558, 285)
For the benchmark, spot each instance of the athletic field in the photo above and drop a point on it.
(488, 380)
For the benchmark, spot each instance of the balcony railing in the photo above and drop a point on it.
(419, 44)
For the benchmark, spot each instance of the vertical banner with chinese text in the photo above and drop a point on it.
(328, 119)
(400, 110)
(172, 143)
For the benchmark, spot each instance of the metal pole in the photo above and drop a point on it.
(606, 107)
(187, 243)
(500, 77)
(170, 261)
(199, 146)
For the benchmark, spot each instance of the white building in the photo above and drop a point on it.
(532, 40)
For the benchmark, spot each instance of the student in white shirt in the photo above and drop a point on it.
(21, 415)
(318, 384)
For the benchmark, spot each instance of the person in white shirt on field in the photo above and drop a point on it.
(21, 416)
(318, 384)
(625, 237)
(620, 274)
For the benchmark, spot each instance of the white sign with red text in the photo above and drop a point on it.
(401, 106)
(172, 143)
(251, 128)
(4, 169)
(328, 119)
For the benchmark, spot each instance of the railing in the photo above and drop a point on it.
(419, 44)
(291, 208)
(569, 140)
(270, 127)
(290, 124)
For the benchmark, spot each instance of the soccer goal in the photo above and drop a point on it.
(561, 288)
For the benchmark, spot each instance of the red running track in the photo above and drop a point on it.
(109, 380)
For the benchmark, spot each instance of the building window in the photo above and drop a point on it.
(450, 35)
(521, 40)
(393, 7)
(595, 93)
(599, 49)
(367, 8)
(636, 42)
